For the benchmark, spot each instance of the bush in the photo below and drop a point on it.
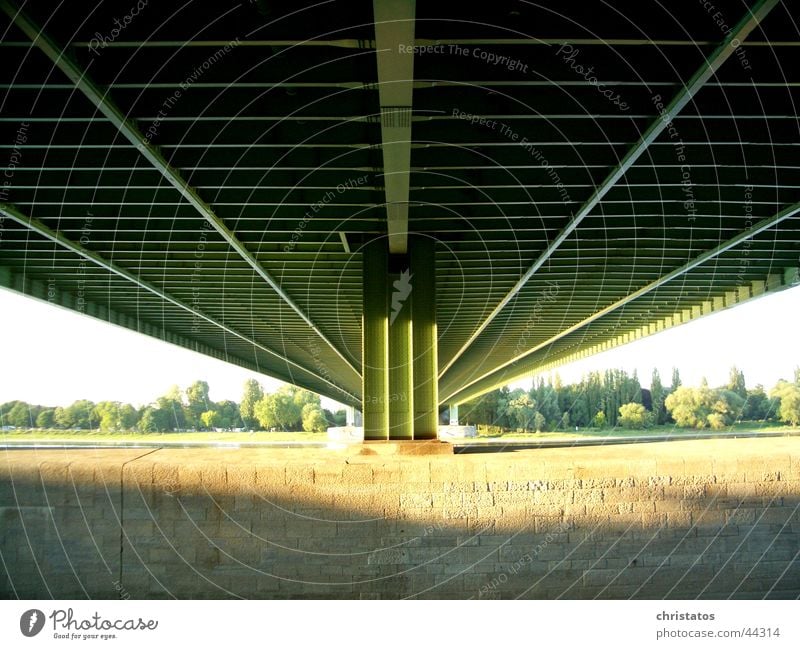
(634, 415)
(789, 408)
(314, 420)
(716, 421)
(701, 407)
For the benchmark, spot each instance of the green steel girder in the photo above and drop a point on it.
(125, 126)
(10, 212)
(700, 77)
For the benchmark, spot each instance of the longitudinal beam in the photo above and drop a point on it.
(497, 373)
(127, 128)
(394, 43)
(349, 43)
(695, 83)
(11, 212)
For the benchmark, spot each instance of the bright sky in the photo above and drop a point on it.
(759, 337)
(53, 356)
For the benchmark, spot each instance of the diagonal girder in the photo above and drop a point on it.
(394, 45)
(127, 128)
(750, 21)
(758, 228)
(11, 212)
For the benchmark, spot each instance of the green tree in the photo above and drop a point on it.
(108, 416)
(147, 422)
(229, 415)
(340, 417)
(573, 399)
(264, 412)
(657, 396)
(197, 402)
(169, 412)
(303, 397)
(593, 391)
(489, 409)
(128, 417)
(45, 419)
(736, 382)
(676, 380)
(729, 405)
(499, 408)
(684, 404)
(789, 406)
(4, 408)
(545, 400)
(62, 418)
(599, 420)
(521, 410)
(630, 388)
(757, 405)
(82, 414)
(611, 397)
(20, 416)
(692, 407)
(210, 419)
(314, 420)
(633, 415)
(253, 393)
(539, 422)
(280, 409)
(716, 421)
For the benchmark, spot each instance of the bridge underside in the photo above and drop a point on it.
(399, 206)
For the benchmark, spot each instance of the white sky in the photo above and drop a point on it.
(759, 337)
(53, 356)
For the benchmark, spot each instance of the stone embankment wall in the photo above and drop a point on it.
(673, 520)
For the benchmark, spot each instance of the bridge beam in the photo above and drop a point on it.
(394, 46)
(151, 153)
(512, 369)
(707, 70)
(12, 213)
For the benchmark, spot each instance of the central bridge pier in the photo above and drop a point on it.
(679, 520)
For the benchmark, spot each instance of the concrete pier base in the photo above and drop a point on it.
(421, 447)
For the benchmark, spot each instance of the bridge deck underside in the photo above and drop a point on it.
(271, 116)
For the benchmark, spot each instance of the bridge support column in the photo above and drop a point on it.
(352, 416)
(453, 414)
(375, 341)
(399, 343)
(401, 387)
(425, 339)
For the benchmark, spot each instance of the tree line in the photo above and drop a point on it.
(599, 400)
(289, 408)
(615, 398)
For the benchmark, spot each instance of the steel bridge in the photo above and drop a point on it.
(399, 205)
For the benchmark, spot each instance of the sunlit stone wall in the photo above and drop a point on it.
(677, 520)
